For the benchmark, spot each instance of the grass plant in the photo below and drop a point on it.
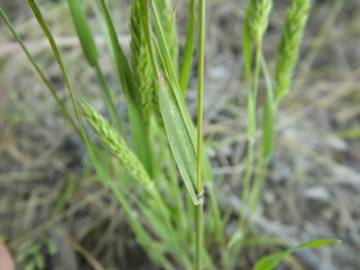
(164, 198)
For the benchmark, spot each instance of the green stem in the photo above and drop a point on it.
(199, 156)
(110, 105)
(252, 137)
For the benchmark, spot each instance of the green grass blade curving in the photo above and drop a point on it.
(271, 261)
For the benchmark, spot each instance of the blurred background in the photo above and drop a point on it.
(53, 212)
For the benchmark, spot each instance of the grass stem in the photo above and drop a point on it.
(201, 60)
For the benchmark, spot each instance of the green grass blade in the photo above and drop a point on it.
(189, 48)
(180, 142)
(162, 53)
(269, 116)
(83, 31)
(167, 18)
(178, 124)
(121, 62)
(271, 261)
(268, 129)
(246, 43)
(319, 243)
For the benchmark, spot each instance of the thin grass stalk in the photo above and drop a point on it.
(56, 53)
(255, 25)
(39, 71)
(199, 152)
(252, 100)
(109, 100)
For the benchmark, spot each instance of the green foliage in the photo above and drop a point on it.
(271, 261)
(189, 48)
(83, 31)
(165, 214)
(167, 17)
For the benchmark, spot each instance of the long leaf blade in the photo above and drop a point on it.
(180, 142)
(271, 261)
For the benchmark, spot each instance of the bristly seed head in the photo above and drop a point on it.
(108, 135)
(257, 18)
(289, 45)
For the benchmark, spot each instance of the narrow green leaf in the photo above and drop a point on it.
(251, 117)
(268, 129)
(167, 67)
(180, 142)
(246, 42)
(83, 30)
(178, 123)
(189, 48)
(121, 62)
(168, 22)
(319, 243)
(271, 261)
(269, 116)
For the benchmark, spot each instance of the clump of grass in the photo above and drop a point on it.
(174, 223)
